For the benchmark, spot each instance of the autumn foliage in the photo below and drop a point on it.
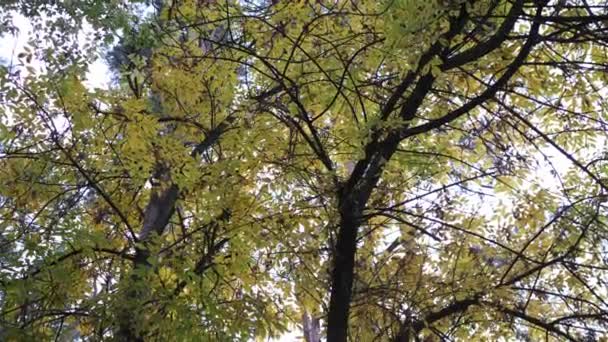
(363, 170)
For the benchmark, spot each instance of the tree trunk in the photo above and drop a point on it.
(352, 201)
(311, 328)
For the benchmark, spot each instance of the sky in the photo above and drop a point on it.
(99, 75)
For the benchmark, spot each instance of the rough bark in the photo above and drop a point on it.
(157, 214)
(311, 328)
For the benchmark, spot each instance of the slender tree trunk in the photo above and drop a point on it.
(311, 328)
(158, 213)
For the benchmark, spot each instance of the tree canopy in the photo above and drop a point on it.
(363, 170)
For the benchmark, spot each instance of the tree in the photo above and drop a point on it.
(395, 170)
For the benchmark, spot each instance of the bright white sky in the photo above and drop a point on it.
(10, 46)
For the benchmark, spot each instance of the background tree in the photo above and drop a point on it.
(400, 170)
